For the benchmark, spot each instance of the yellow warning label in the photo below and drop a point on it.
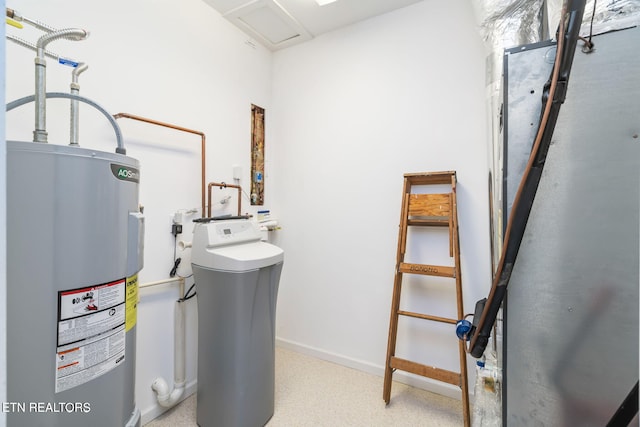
(132, 302)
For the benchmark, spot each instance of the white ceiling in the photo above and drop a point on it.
(282, 23)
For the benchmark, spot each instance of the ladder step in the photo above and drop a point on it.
(435, 222)
(428, 270)
(432, 372)
(427, 317)
(427, 178)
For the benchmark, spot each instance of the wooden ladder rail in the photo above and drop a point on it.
(427, 210)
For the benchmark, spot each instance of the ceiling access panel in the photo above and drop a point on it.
(278, 24)
(265, 20)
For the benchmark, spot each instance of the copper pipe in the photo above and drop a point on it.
(224, 185)
(534, 150)
(180, 128)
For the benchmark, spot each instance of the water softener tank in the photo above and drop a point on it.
(74, 248)
(237, 279)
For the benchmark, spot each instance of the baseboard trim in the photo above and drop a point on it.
(151, 413)
(378, 370)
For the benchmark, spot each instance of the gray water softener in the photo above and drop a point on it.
(236, 278)
(74, 248)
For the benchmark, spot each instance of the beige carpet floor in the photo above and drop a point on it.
(315, 393)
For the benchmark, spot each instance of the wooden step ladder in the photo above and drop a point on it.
(427, 210)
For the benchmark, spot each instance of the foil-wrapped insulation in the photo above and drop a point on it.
(508, 23)
(610, 15)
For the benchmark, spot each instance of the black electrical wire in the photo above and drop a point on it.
(174, 270)
(188, 295)
(588, 44)
(176, 261)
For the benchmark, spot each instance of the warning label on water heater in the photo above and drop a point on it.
(91, 333)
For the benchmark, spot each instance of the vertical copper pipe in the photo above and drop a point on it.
(516, 200)
(182, 129)
(223, 185)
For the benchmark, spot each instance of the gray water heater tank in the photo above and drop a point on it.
(74, 248)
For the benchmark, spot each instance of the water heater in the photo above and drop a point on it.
(74, 248)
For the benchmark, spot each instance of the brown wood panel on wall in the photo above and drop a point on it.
(257, 155)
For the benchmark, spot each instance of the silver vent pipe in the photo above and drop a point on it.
(78, 68)
(74, 34)
(75, 112)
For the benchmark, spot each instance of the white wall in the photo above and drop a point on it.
(354, 110)
(181, 64)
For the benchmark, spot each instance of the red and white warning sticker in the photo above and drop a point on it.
(91, 333)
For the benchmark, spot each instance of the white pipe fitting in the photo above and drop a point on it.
(184, 245)
(167, 398)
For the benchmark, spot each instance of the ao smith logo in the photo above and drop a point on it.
(125, 173)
